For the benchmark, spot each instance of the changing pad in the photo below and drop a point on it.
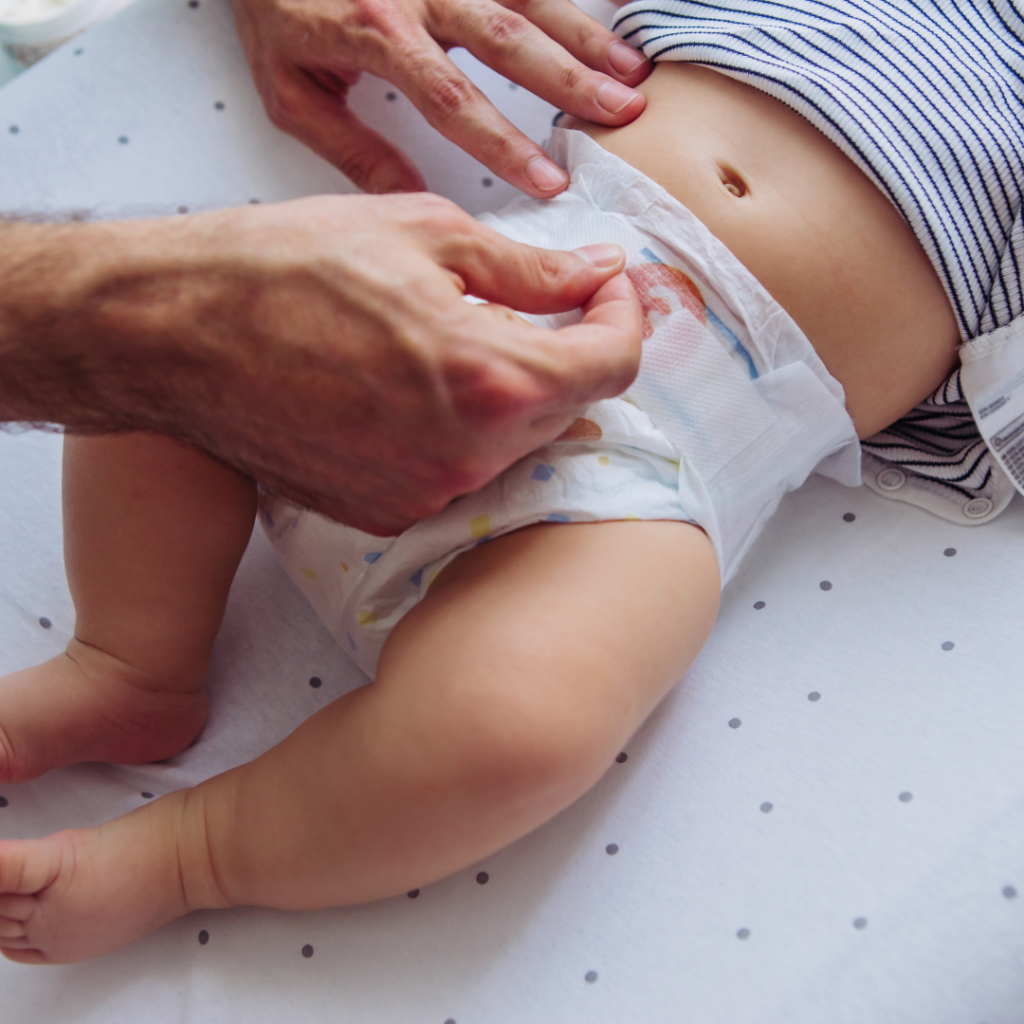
(824, 821)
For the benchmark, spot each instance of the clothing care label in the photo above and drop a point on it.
(992, 378)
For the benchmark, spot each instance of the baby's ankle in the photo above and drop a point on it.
(201, 887)
(185, 676)
(86, 705)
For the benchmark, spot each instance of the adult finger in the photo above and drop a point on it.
(601, 354)
(585, 38)
(460, 111)
(315, 112)
(523, 277)
(514, 46)
(564, 369)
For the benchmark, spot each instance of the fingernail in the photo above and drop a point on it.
(545, 175)
(624, 59)
(614, 96)
(604, 254)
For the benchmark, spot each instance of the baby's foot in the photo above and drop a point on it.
(86, 705)
(86, 892)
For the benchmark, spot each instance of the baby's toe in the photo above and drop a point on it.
(10, 930)
(22, 956)
(17, 909)
(27, 867)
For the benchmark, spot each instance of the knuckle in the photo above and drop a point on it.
(379, 15)
(443, 221)
(497, 395)
(425, 212)
(360, 164)
(572, 76)
(590, 35)
(441, 212)
(488, 394)
(550, 265)
(281, 106)
(451, 95)
(505, 30)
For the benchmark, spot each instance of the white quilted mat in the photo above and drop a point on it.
(823, 823)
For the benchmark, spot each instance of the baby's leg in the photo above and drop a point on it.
(153, 532)
(500, 699)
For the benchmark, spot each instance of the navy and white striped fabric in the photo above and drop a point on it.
(927, 98)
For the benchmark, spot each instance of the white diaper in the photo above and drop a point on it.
(731, 409)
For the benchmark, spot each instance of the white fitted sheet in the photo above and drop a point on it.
(933, 876)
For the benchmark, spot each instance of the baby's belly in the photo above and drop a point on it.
(814, 230)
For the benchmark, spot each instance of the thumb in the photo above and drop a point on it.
(600, 356)
(524, 277)
(320, 118)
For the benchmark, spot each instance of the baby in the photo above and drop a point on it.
(790, 308)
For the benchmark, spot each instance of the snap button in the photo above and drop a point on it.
(891, 479)
(977, 508)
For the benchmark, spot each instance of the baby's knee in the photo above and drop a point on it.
(523, 747)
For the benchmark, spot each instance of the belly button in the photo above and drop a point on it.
(732, 182)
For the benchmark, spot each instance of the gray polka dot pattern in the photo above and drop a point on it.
(756, 756)
(482, 878)
(45, 622)
(948, 645)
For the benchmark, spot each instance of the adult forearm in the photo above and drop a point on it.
(321, 346)
(74, 348)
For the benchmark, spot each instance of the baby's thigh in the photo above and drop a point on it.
(538, 654)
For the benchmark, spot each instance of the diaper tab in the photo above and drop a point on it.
(992, 380)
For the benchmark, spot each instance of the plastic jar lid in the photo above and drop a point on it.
(55, 25)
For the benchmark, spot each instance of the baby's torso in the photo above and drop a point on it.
(808, 224)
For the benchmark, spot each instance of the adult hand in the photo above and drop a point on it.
(305, 54)
(321, 346)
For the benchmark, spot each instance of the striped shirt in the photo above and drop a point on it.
(927, 98)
